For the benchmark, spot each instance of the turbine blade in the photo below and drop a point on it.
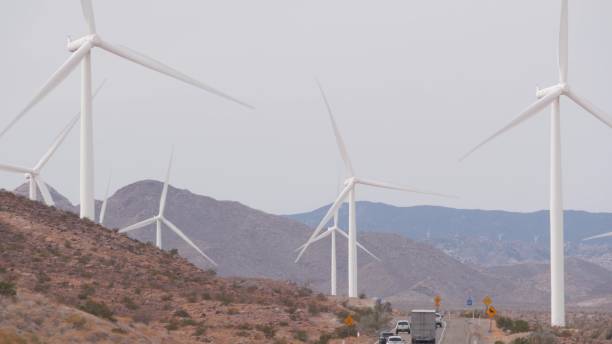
(157, 66)
(336, 219)
(44, 191)
(138, 225)
(367, 251)
(321, 236)
(563, 42)
(341, 232)
(164, 194)
(187, 240)
(16, 169)
(63, 134)
(587, 105)
(598, 236)
(337, 203)
(339, 140)
(103, 209)
(88, 13)
(55, 80)
(399, 187)
(530, 111)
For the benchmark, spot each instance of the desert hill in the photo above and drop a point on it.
(250, 243)
(63, 279)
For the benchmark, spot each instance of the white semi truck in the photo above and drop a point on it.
(423, 326)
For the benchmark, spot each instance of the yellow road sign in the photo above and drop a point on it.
(437, 300)
(491, 311)
(487, 300)
(348, 321)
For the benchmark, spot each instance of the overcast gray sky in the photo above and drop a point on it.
(414, 85)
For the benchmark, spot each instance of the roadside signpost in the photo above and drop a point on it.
(470, 303)
(491, 312)
(487, 300)
(348, 321)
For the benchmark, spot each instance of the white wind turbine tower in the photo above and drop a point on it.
(35, 181)
(160, 219)
(81, 53)
(551, 96)
(350, 184)
(332, 231)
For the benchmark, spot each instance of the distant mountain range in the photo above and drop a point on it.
(441, 222)
(250, 243)
(481, 237)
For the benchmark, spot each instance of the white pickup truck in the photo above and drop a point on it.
(402, 326)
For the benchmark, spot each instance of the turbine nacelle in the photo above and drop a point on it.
(541, 93)
(74, 45)
(350, 181)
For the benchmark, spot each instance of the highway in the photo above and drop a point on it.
(458, 331)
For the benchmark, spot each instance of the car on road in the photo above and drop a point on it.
(402, 326)
(439, 322)
(395, 340)
(382, 338)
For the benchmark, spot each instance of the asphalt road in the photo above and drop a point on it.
(459, 331)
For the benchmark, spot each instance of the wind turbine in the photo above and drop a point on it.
(160, 219)
(350, 185)
(551, 96)
(33, 178)
(81, 53)
(332, 231)
(103, 207)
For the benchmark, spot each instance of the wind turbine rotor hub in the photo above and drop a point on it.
(74, 45)
(541, 93)
(565, 87)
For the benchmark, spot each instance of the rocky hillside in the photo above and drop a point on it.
(250, 243)
(64, 280)
(586, 284)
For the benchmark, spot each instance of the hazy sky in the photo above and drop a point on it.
(414, 85)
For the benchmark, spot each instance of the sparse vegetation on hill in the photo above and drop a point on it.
(512, 325)
(117, 287)
(582, 328)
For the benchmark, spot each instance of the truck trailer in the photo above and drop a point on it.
(423, 326)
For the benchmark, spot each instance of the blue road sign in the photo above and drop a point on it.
(469, 301)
